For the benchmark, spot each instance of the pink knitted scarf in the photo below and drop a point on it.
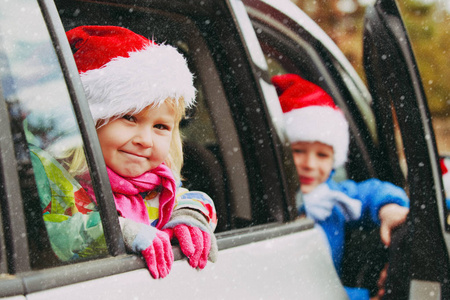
(127, 193)
(129, 202)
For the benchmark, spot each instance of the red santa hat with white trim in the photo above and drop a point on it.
(124, 72)
(310, 115)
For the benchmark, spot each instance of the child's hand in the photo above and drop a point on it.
(159, 255)
(381, 284)
(194, 243)
(152, 243)
(195, 237)
(391, 215)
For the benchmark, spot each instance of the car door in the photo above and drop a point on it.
(395, 82)
(293, 43)
(377, 147)
(264, 250)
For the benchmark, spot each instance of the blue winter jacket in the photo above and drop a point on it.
(373, 194)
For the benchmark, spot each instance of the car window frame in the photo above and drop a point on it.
(21, 279)
(100, 180)
(15, 249)
(428, 239)
(284, 183)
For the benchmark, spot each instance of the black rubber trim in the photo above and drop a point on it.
(241, 237)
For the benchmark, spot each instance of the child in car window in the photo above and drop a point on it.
(137, 93)
(319, 136)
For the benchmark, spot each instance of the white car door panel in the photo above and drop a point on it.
(292, 266)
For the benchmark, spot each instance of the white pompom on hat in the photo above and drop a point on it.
(310, 115)
(124, 72)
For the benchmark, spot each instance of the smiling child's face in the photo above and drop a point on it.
(135, 144)
(314, 163)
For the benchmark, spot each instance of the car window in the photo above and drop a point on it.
(227, 141)
(212, 132)
(46, 136)
(293, 49)
(301, 58)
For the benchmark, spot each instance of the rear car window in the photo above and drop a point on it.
(214, 160)
(46, 136)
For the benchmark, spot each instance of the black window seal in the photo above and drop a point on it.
(13, 216)
(102, 188)
(244, 236)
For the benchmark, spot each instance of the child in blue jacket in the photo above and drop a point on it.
(319, 136)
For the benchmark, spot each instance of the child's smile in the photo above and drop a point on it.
(135, 156)
(314, 163)
(135, 144)
(306, 180)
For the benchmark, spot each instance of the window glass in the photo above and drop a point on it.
(42, 115)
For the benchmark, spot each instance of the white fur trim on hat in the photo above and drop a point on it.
(319, 124)
(130, 84)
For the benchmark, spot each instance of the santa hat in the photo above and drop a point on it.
(124, 72)
(310, 115)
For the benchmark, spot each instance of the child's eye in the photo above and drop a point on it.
(298, 150)
(129, 118)
(162, 127)
(323, 155)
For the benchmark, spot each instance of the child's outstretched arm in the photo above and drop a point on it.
(152, 243)
(192, 223)
(391, 216)
(374, 194)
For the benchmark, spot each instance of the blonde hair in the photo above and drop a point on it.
(75, 159)
(175, 158)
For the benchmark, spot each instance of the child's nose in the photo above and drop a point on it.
(144, 138)
(309, 161)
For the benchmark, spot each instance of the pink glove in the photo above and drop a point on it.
(152, 243)
(159, 255)
(195, 236)
(194, 243)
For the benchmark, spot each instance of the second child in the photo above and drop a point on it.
(319, 137)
